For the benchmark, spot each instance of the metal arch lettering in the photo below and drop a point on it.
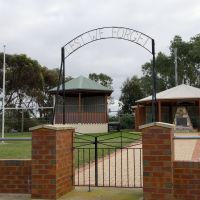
(113, 32)
(123, 33)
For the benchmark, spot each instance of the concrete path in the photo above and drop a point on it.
(186, 148)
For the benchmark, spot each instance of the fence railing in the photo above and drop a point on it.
(115, 161)
(186, 137)
(21, 119)
(15, 139)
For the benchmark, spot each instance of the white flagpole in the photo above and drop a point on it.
(3, 100)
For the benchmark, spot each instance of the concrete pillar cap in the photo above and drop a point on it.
(160, 124)
(52, 127)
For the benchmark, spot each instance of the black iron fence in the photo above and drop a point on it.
(110, 160)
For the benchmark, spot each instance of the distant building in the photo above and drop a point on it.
(85, 105)
(179, 105)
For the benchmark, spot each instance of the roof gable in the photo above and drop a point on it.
(82, 83)
(179, 92)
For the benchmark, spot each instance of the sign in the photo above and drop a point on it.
(181, 121)
(108, 33)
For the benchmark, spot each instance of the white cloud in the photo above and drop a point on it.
(39, 28)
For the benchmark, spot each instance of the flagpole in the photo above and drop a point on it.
(3, 100)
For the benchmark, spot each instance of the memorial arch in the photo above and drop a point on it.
(104, 33)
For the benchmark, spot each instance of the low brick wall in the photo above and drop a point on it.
(49, 174)
(186, 180)
(15, 176)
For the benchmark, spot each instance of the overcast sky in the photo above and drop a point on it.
(39, 28)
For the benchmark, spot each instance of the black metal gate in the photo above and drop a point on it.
(109, 160)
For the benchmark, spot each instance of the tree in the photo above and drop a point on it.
(188, 72)
(43, 98)
(164, 74)
(130, 92)
(188, 59)
(27, 83)
(23, 79)
(188, 66)
(126, 121)
(101, 78)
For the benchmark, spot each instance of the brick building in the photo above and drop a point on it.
(179, 105)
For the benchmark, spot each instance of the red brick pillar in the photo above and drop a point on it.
(52, 161)
(157, 142)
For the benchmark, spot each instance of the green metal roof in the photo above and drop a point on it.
(82, 83)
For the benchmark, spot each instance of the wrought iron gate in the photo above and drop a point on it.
(111, 161)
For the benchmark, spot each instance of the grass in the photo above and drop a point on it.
(16, 149)
(107, 144)
(81, 193)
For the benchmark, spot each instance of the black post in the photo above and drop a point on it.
(96, 161)
(57, 92)
(121, 138)
(153, 83)
(63, 81)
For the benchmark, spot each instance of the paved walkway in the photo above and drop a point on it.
(196, 152)
(187, 149)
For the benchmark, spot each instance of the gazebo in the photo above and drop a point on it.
(179, 105)
(85, 105)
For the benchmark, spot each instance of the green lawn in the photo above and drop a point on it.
(16, 149)
(81, 193)
(107, 144)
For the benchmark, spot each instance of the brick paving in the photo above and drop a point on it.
(196, 152)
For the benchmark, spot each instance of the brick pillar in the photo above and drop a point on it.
(140, 116)
(52, 161)
(137, 118)
(158, 159)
